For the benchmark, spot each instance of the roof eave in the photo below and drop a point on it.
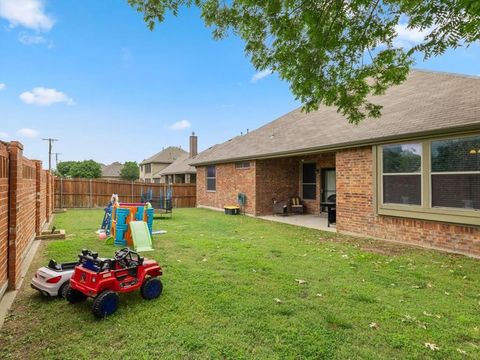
(346, 145)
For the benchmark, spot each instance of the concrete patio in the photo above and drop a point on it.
(318, 222)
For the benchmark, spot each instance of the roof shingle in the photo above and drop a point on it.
(427, 102)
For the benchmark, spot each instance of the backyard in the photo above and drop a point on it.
(239, 287)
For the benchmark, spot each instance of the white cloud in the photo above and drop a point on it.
(4, 135)
(31, 39)
(45, 97)
(27, 13)
(2, 86)
(27, 132)
(408, 38)
(260, 75)
(180, 125)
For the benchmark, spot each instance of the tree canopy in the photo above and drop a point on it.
(130, 171)
(333, 52)
(64, 167)
(79, 169)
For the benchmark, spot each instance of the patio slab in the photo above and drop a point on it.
(318, 222)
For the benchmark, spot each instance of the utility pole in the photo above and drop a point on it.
(56, 159)
(50, 142)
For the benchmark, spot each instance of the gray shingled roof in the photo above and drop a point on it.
(179, 166)
(166, 156)
(428, 102)
(112, 170)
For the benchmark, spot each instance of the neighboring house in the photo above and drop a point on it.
(149, 168)
(180, 171)
(112, 171)
(411, 176)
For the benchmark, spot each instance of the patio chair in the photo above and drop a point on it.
(296, 205)
(280, 208)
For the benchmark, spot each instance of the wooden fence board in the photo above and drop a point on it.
(85, 193)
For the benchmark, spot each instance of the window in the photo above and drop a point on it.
(455, 173)
(148, 168)
(434, 179)
(402, 175)
(309, 181)
(211, 178)
(242, 165)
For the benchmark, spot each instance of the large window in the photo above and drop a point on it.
(309, 181)
(211, 178)
(148, 168)
(402, 174)
(456, 173)
(437, 179)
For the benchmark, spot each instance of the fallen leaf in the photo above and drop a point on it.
(429, 285)
(319, 295)
(300, 281)
(374, 325)
(204, 259)
(432, 347)
(277, 300)
(345, 256)
(427, 314)
(463, 352)
(447, 293)
(254, 270)
(179, 260)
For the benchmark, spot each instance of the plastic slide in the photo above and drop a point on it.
(142, 240)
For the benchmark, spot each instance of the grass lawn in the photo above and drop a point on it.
(230, 291)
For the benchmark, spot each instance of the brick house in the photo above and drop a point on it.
(180, 171)
(411, 176)
(151, 167)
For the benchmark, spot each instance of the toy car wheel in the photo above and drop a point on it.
(74, 296)
(62, 292)
(105, 304)
(151, 288)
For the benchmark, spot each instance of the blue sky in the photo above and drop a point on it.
(91, 74)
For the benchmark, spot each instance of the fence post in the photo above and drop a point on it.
(90, 191)
(131, 193)
(61, 192)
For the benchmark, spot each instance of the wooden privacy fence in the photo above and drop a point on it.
(86, 193)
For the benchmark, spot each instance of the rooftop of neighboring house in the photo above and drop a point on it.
(427, 103)
(179, 166)
(112, 170)
(166, 156)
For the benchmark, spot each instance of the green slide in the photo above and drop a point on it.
(142, 240)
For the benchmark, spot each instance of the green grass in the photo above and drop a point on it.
(222, 275)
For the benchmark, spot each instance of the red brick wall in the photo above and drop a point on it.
(3, 215)
(355, 211)
(276, 179)
(230, 181)
(23, 209)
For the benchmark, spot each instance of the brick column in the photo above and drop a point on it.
(48, 199)
(38, 199)
(15, 150)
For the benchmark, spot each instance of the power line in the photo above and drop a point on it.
(50, 142)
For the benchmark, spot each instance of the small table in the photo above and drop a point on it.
(332, 211)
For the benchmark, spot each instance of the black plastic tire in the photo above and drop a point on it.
(74, 296)
(151, 288)
(62, 292)
(105, 304)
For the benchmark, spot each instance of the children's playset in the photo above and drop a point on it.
(103, 279)
(52, 280)
(129, 224)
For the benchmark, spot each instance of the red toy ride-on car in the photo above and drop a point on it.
(103, 279)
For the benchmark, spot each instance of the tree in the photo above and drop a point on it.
(333, 52)
(64, 167)
(86, 169)
(130, 171)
